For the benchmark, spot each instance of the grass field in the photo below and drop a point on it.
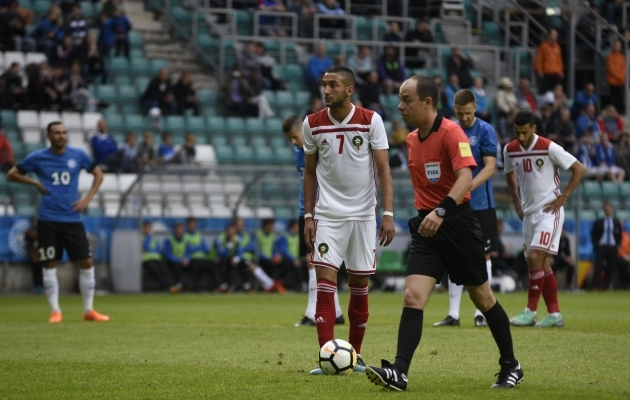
(245, 347)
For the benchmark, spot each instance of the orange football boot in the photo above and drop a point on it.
(93, 315)
(55, 317)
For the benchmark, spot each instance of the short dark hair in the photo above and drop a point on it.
(178, 224)
(290, 122)
(464, 96)
(292, 223)
(191, 219)
(524, 118)
(52, 124)
(268, 221)
(346, 72)
(426, 87)
(148, 223)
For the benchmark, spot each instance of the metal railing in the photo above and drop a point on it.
(376, 24)
(347, 32)
(282, 16)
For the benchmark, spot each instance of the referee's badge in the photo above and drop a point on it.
(357, 142)
(323, 249)
(433, 171)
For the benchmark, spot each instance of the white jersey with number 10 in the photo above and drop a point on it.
(346, 173)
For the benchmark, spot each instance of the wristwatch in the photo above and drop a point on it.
(440, 212)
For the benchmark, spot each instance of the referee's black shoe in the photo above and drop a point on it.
(508, 377)
(387, 376)
(480, 321)
(448, 321)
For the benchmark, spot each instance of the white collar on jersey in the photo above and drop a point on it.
(533, 143)
(345, 121)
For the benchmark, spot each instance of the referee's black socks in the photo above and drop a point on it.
(499, 325)
(409, 334)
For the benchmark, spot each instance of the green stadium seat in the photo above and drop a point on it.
(31, 147)
(263, 155)
(204, 40)
(119, 65)
(239, 140)
(141, 83)
(215, 125)
(208, 97)
(283, 212)
(175, 124)
(225, 154)
(610, 190)
(115, 123)
(27, 210)
(592, 189)
(390, 261)
(196, 125)
(106, 93)
(243, 154)
(127, 94)
(258, 141)
(273, 126)
(254, 126)
(135, 39)
(219, 139)
(625, 190)
(284, 98)
(158, 64)
(135, 122)
(588, 215)
(302, 98)
(8, 119)
(88, 10)
(623, 215)
(123, 80)
(280, 142)
(41, 7)
(292, 72)
(235, 125)
(95, 211)
(140, 66)
(284, 155)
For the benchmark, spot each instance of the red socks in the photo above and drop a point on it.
(550, 292)
(325, 310)
(536, 284)
(358, 314)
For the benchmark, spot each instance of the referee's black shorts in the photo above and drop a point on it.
(303, 247)
(489, 233)
(457, 247)
(55, 237)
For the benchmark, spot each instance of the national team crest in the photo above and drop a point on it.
(539, 163)
(72, 164)
(472, 140)
(323, 249)
(357, 142)
(433, 171)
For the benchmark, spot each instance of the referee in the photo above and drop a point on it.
(445, 234)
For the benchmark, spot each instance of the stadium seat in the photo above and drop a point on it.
(263, 155)
(135, 39)
(175, 123)
(284, 155)
(224, 153)
(302, 98)
(119, 65)
(46, 117)
(205, 154)
(257, 141)
(157, 64)
(239, 140)
(207, 97)
(35, 58)
(215, 125)
(255, 126)
(588, 215)
(11, 57)
(31, 136)
(140, 66)
(72, 120)
(592, 189)
(106, 93)
(610, 190)
(76, 138)
(27, 119)
(273, 126)
(196, 125)
(219, 139)
(8, 119)
(243, 154)
(235, 125)
(284, 99)
(134, 122)
(127, 94)
(292, 72)
(141, 83)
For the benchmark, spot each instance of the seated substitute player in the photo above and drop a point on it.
(532, 162)
(59, 224)
(292, 128)
(346, 149)
(175, 253)
(152, 259)
(483, 144)
(287, 247)
(444, 235)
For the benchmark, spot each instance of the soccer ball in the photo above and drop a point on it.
(337, 357)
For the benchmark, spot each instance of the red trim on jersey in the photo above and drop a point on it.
(375, 177)
(528, 154)
(374, 262)
(372, 272)
(338, 130)
(361, 116)
(542, 144)
(323, 264)
(513, 146)
(556, 179)
(556, 224)
(545, 249)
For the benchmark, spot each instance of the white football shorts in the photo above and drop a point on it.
(351, 241)
(541, 231)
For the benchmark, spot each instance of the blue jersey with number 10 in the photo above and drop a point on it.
(300, 163)
(59, 173)
(483, 142)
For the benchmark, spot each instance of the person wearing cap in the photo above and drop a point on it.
(548, 63)
(506, 103)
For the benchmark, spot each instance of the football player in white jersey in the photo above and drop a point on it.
(533, 162)
(346, 149)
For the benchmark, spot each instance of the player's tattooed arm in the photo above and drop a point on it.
(512, 184)
(83, 203)
(310, 188)
(14, 175)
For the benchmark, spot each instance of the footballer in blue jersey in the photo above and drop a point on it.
(483, 144)
(59, 225)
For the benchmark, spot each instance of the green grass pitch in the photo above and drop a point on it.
(245, 347)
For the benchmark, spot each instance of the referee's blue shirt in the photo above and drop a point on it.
(483, 142)
(59, 173)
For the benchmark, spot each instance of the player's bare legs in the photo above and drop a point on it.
(87, 283)
(51, 289)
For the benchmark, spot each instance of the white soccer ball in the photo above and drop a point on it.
(507, 285)
(337, 357)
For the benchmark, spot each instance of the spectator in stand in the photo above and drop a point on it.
(565, 129)
(606, 238)
(287, 246)
(584, 98)
(587, 121)
(330, 27)
(507, 106)
(159, 94)
(6, 153)
(106, 36)
(187, 154)
(49, 31)
(13, 29)
(361, 64)
(616, 76)
(104, 148)
(256, 86)
(305, 10)
(584, 151)
(450, 90)
(548, 63)
(130, 155)
(109, 6)
(147, 153)
(369, 94)
(525, 95)
(175, 253)
(614, 13)
(237, 91)
(78, 94)
(610, 123)
(92, 61)
(560, 99)
(267, 69)
(121, 27)
(249, 60)
(316, 68)
(623, 262)
(393, 35)
(414, 57)
(40, 90)
(14, 92)
(166, 151)
(390, 70)
(76, 26)
(65, 52)
(442, 95)
(186, 94)
(460, 64)
(152, 259)
(623, 153)
(269, 24)
(587, 25)
(545, 123)
(60, 83)
(605, 161)
(481, 99)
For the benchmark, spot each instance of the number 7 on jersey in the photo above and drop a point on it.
(341, 139)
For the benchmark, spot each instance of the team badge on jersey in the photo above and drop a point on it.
(357, 141)
(472, 140)
(433, 171)
(539, 163)
(323, 249)
(72, 163)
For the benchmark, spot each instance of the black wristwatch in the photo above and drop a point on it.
(440, 212)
